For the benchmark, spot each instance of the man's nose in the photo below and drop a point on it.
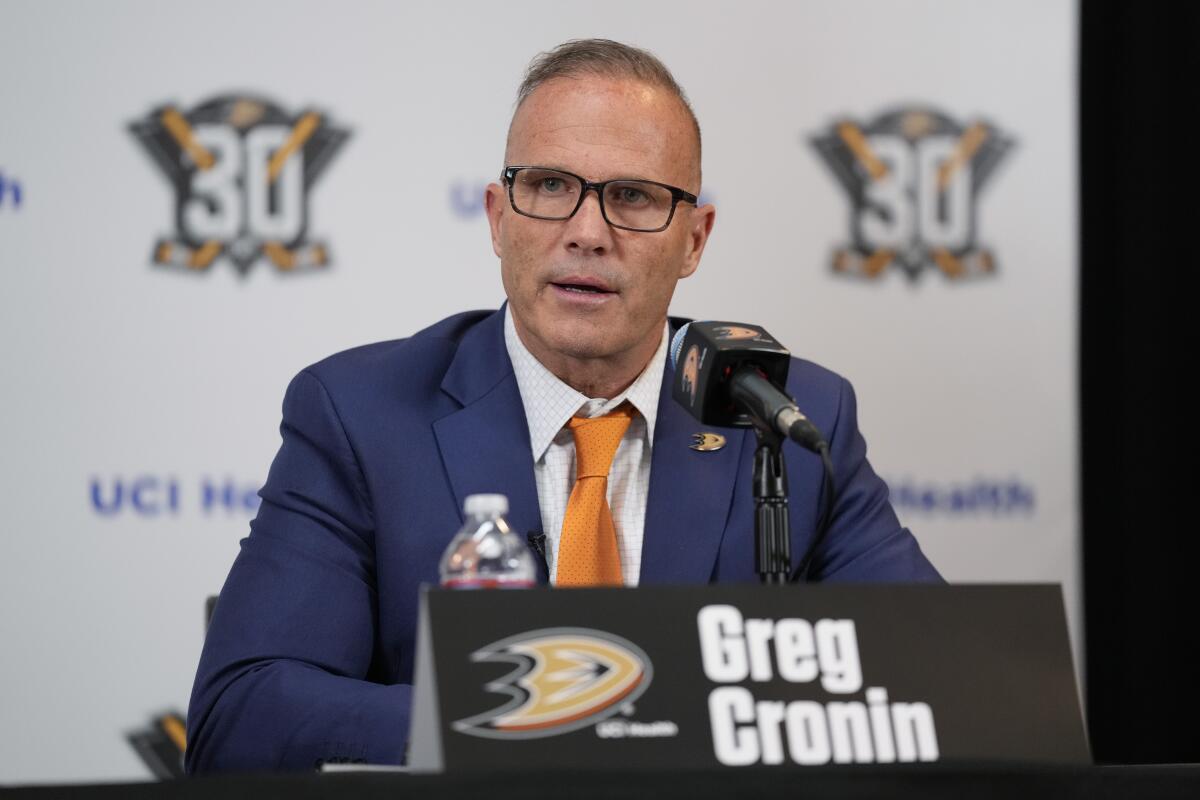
(587, 231)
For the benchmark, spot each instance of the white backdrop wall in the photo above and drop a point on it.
(164, 384)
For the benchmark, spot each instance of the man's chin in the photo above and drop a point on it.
(582, 345)
(577, 338)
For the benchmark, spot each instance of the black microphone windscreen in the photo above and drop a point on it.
(705, 355)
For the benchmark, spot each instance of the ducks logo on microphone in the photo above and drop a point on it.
(736, 333)
(689, 376)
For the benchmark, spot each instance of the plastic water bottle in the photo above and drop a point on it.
(486, 553)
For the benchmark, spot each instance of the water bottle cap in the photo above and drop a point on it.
(485, 505)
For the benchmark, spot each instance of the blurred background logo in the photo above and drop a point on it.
(975, 497)
(11, 192)
(466, 198)
(242, 169)
(913, 176)
(164, 495)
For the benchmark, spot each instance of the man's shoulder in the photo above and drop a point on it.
(428, 350)
(408, 370)
(826, 397)
(810, 377)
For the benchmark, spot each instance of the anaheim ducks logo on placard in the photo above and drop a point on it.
(565, 679)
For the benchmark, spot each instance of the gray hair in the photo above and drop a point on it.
(605, 58)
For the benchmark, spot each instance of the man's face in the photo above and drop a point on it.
(580, 288)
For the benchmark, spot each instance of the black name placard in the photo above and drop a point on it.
(744, 676)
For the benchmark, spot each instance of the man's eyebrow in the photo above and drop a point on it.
(557, 166)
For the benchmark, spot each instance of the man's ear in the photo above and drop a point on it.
(700, 225)
(495, 203)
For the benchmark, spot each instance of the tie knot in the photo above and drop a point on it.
(597, 440)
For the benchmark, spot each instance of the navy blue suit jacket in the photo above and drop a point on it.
(309, 657)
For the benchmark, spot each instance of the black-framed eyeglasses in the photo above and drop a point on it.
(631, 205)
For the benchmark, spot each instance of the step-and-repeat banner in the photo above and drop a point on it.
(895, 193)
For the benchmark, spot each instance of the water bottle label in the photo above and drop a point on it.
(480, 582)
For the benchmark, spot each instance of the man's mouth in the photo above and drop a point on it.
(582, 286)
(577, 287)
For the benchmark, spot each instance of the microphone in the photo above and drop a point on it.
(729, 373)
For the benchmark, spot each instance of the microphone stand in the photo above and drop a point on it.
(772, 542)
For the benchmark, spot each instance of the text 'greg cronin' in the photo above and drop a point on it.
(808, 732)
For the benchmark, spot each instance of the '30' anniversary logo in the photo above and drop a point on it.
(242, 169)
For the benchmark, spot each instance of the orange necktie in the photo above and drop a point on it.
(587, 549)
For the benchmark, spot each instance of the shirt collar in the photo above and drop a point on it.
(550, 403)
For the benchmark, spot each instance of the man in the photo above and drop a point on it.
(310, 653)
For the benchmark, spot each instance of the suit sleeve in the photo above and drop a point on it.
(282, 683)
(865, 541)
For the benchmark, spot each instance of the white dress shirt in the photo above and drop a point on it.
(549, 405)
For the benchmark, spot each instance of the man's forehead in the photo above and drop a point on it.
(618, 115)
(594, 95)
(623, 134)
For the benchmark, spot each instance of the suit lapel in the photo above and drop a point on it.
(690, 495)
(485, 444)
